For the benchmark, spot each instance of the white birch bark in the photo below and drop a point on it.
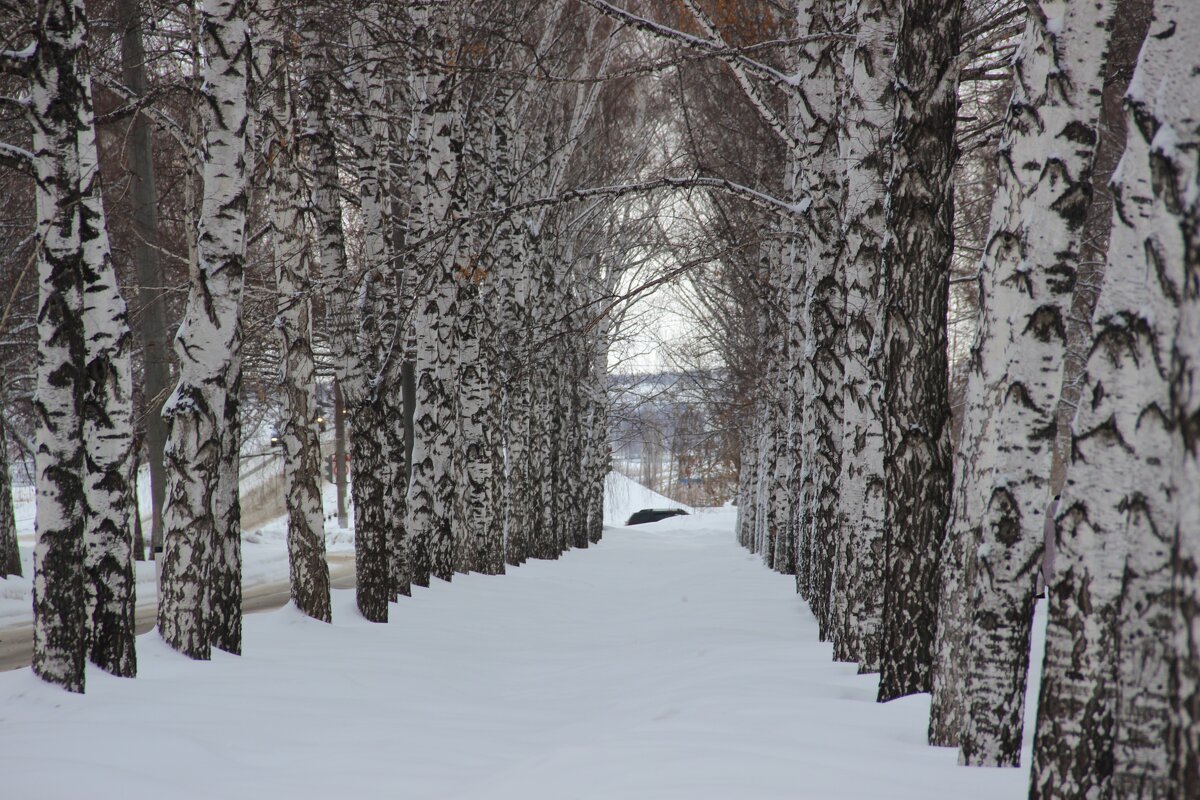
(1026, 280)
(291, 233)
(208, 337)
(107, 425)
(431, 483)
(56, 96)
(857, 609)
(1184, 190)
(1102, 719)
(820, 361)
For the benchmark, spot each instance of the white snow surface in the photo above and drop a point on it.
(666, 662)
(623, 496)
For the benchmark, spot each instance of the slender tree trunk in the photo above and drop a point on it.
(915, 271)
(151, 317)
(208, 340)
(290, 231)
(1105, 700)
(431, 486)
(824, 305)
(10, 553)
(353, 329)
(339, 453)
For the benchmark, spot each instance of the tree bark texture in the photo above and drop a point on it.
(915, 280)
(1105, 697)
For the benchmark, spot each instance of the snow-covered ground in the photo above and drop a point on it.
(264, 554)
(664, 663)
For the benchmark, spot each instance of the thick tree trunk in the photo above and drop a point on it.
(208, 339)
(915, 272)
(1026, 281)
(107, 427)
(57, 96)
(857, 609)
(1183, 192)
(1105, 699)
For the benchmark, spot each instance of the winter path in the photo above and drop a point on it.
(664, 663)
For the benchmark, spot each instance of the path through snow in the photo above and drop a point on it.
(664, 663)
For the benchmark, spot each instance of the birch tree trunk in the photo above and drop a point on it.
(1105, 696)
(291, 239)
(431, 485)
(1182, 191)
(349, 307)
(914, 280)
(208, 339)
(1026, 281)
(57, 95)
(824, 303)
(857, 609)
(107, 425)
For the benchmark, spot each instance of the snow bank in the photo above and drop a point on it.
(623, 496)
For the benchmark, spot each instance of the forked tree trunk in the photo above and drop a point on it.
(107, 426)
(291, 231)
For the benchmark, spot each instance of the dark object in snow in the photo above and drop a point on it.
(653, 515)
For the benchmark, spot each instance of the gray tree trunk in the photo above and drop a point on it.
(10, 553)
(151, 317)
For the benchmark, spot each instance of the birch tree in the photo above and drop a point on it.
(207, 342)
(1105, 693)
(915, 280)
(291, 233)
(866, 130)
(1026, 280)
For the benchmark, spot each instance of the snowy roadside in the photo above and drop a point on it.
(664, 663)
(264, 553)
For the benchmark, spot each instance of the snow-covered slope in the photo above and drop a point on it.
(664, 663)
(623, 496)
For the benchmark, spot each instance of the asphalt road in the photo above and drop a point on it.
(16, 643)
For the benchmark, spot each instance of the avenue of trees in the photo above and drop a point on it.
(943, 256)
